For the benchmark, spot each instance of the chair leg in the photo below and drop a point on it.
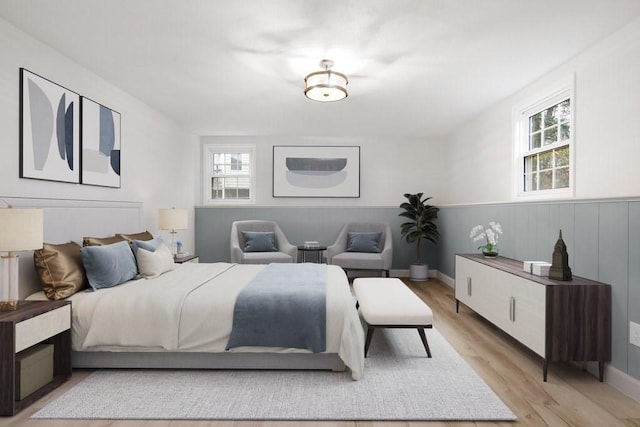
(423, 337)
(367, 342)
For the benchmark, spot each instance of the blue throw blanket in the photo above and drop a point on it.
(283, 306)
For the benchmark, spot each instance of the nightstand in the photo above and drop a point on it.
(34, 322)
(189, 258)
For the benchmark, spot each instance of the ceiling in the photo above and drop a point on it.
(417, 68)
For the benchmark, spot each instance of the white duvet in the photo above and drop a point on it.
(191, 309)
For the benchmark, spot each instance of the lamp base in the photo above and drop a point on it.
(8, 305)
(9, 282)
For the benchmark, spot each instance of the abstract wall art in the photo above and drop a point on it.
(100, 145)
(316, 171)
(49, 130)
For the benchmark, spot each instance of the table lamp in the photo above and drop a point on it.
(173, 219)
(20, 230)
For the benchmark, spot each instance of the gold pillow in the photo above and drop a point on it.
(60, 269)
(145, 235)
(101, 241)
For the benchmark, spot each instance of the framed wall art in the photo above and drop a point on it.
(49, 130)
(316, 171)
(100, 145)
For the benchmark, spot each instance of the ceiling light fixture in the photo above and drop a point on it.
(327, 85)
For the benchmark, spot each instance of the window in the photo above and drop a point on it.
(229, 175)
(544, 147)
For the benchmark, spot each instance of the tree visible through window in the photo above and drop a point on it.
(545, 144)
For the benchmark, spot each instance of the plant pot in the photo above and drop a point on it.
(419, 272)
(490, 254)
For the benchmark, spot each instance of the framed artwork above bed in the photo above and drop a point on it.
(49, 130)
(100, 145)
(316, 171)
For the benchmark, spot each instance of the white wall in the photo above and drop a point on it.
(607, 129)
(388, 169)
(157, 155)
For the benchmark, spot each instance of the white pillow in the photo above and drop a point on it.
(153, 264)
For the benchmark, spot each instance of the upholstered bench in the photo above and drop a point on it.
(389, 303)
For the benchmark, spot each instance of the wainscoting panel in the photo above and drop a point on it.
(602, 238)
(634, 283)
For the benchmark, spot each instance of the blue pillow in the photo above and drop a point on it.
(109, 265)
(147, 245)
(364, 242)
(259, 241)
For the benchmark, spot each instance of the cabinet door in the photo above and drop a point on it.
(484, 290)
(528, 313)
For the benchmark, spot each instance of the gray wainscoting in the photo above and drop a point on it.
(213, 228)
(603, 242)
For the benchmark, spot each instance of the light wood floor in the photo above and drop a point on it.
(571, 397)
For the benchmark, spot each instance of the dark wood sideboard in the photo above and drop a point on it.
(559, 320)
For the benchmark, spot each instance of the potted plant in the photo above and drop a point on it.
(421, 224)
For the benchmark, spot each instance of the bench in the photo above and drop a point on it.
(389, 303)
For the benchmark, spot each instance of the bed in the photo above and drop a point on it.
(183, 319)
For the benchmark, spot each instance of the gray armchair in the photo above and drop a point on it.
(283, 250)
(338, 254)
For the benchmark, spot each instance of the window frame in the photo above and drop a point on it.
(208, 151)
(521, 148)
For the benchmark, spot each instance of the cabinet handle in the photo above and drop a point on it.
(512, 309)
(469, 286)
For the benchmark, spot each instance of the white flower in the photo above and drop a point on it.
(489, 234)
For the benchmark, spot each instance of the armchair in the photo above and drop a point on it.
(339, 253)
(282, 251)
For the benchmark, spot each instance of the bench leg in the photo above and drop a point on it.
(367, 342)
(423, 337)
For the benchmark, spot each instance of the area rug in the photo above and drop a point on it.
(400, 383)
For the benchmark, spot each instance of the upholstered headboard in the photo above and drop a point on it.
(71, 220)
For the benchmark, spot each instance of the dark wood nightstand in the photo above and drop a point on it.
(32, 323)
(189, 258)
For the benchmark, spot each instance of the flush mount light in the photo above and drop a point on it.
(326, 85)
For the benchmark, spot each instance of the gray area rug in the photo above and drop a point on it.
(400, 383)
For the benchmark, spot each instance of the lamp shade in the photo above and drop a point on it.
(21, 229)
(173, 219)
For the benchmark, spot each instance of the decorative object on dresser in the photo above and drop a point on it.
(560, 269)
(22, 230)
(21, 334)
(100, 145)
(49, 130)
(173, 219)
(421, 225)
(490, 235)
(557, 320)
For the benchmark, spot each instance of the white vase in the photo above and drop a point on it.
(419, 272)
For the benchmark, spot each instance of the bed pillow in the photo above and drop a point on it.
(148, 245)
(109, 265)
(60, 269)
(154, 263)
(364, 242)
(144, 235)
(259, 241)
(100, 241)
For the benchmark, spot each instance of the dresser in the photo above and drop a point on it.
(558, 320)
(34, 322)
